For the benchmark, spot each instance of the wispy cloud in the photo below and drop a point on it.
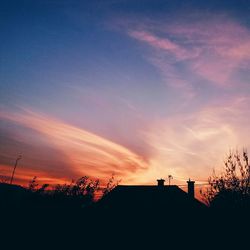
(191, 145)
(85, 152)
(160, 43)
(201, 51)
(184, 145)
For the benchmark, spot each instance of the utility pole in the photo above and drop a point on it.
(13, 173)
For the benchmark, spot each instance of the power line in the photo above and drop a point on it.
(198, 184)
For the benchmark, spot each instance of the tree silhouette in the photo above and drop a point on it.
(232, 188)
(32, 186)
(111, 184)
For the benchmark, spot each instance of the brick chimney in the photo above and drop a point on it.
(191, 188)
(160, 182)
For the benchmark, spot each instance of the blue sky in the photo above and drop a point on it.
(162, 87)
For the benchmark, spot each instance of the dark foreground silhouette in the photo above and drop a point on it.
(128, 217)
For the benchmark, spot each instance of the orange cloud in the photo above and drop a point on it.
(23, 175)
(86, 152)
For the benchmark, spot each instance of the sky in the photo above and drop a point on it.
(139, 89)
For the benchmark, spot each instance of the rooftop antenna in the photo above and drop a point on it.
(13, 173)
(170, 177)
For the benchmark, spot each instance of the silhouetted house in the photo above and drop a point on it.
(159, 200)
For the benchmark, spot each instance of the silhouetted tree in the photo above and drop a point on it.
(232, 188)
(42, 189)
(111, 184)
(33, 184)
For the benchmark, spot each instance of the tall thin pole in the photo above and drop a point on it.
(13, 173)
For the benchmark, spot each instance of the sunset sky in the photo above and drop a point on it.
(138, 88)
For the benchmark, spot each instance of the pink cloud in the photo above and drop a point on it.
(211, 50)
(192, 144)
(153, 40)
(160, 43)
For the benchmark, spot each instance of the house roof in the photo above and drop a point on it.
(150, 198)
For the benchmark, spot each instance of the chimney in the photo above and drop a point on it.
(160, 182)
(190, 188)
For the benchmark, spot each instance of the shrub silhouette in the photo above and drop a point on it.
(78, 194)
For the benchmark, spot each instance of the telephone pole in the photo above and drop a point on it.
(13, 173)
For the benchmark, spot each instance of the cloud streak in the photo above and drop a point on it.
(160, 43)
(191, 145)
(201, 51)
(85, 152)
